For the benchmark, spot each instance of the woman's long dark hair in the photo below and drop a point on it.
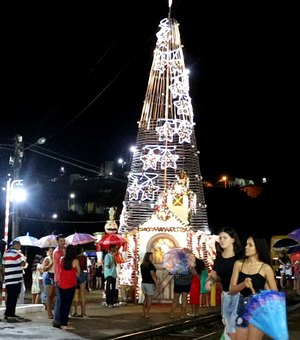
(238, 249)
(146, 259)
(70, 255)
(200, 265)
(262, 248)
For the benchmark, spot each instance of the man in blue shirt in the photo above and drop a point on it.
(110, 274)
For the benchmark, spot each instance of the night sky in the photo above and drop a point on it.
(62, 67)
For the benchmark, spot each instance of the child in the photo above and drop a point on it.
(37, 279)
(205, 294)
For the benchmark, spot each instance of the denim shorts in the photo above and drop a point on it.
(182, 288)
(82, 277)
(240, 321)
(229, 305)
(148, 288)
(49, 279)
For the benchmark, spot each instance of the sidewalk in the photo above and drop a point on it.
(102, 323)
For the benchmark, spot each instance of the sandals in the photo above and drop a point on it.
(75, 314)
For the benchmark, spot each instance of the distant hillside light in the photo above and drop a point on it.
(225, 180)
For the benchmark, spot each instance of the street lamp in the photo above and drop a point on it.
(16, 163)
(11, 197)
(71, 203)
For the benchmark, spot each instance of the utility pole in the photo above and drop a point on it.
(16, 163)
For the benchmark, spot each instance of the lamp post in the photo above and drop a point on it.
(15, 226)
(16, 163)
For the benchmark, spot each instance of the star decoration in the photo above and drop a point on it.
(168, 160)
(183, 106)
(166, 132)
(133, 191)
(184, 132)
(149, 191)
(150, 159)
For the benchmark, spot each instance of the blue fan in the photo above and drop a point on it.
(266, 310)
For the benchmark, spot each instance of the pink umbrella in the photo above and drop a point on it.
(110, 239)
(80, 238)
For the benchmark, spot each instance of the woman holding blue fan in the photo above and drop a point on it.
(251, 275)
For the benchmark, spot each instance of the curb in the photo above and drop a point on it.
(26, 308)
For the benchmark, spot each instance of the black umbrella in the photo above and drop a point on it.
(284, 243)
(293, 249)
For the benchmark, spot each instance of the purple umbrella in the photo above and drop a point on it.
(179, 260)
(295, 235)
(80, 238)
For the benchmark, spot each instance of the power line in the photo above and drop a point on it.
(57, 221)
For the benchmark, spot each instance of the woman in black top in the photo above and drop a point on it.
(149, 282)
(249, 276)
(229, 249)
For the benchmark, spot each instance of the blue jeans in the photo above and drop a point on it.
(229, 305)
(66, 298)
(57, 305)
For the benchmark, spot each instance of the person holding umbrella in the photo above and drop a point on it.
(110, 274)
(182, 287)
(13, 264)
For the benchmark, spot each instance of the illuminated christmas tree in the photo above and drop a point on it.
(164, 205)
(166, 142)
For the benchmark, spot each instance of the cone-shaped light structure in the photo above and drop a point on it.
(166, 143)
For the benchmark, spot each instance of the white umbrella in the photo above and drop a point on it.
(48, 241)
(27, 240)
(80, 238)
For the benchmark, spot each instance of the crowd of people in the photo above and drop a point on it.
(61, 279)
(242, 272)
(55, 278)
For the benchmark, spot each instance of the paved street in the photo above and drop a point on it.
(103, 322)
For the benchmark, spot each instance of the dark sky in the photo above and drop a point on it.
(78, 77)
